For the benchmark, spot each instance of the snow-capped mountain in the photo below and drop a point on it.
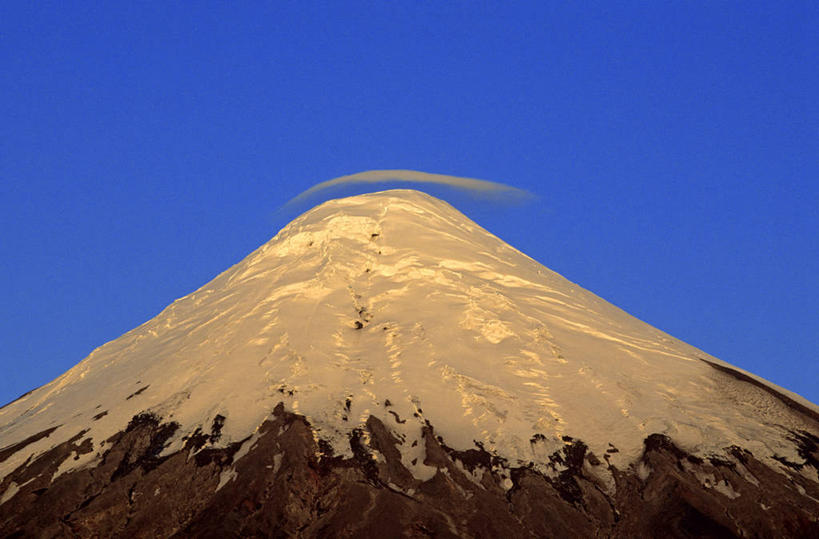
(373, 322)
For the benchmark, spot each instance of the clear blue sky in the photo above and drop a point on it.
(674, 148)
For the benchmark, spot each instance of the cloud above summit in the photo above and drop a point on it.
(488, 188)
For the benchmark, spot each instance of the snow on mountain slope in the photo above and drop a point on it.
(396, 305)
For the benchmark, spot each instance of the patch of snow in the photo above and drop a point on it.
(246, 446)
(724, 487)
(277, 462)
(10, 492)
(76, 461)
(475, 476)
(604, 477)
(225, 477)
(462, 491)
(708, 480)
(746, 475)
(643, 471)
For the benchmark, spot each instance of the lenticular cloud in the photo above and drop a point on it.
(493, 189)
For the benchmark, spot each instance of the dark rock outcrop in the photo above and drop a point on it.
(288, 485)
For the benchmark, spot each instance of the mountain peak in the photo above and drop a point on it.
(396, 308)
(396, 205)
(377, 201)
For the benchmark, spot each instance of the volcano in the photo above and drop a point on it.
(385, 367)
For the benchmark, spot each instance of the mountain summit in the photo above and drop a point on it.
(384, 365)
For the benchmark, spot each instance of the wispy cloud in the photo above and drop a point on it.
(493, 189)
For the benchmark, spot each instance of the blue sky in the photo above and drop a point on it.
(673, 148)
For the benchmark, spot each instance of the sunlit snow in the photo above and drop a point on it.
(396, 305)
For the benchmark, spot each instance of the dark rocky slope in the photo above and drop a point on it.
(288, 485)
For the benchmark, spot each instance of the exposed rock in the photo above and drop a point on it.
(286, 484)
